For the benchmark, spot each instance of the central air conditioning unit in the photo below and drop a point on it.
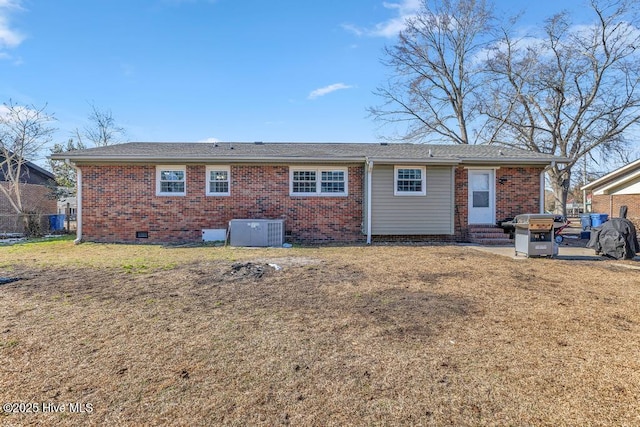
(257, 232)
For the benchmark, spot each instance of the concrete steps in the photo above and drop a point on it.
(489, 235)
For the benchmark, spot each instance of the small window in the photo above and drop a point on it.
(314, 181)
(218, 181)
(410, 181)
(171, 180)
(304, 182)
(332, 182)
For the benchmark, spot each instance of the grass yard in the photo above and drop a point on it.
(382, 335)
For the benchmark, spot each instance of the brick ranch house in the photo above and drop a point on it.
(325, 192)
(618, 188)
(36, 190)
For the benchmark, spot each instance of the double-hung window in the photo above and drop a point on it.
(410, 181)
(171, 180)
(218, 181)
(318, 181)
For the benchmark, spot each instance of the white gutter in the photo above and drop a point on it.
(420, 161)
(542, 181)
(605, 189)
(219, 159)
(78, 205)
(138, 158)
(612, 175)
(369, 181)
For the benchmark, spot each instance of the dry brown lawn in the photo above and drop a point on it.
(382, 335)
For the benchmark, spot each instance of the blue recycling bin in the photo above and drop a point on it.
(56, 222)
(598, 219)
(585, 221)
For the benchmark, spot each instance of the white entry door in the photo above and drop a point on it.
(482, 200)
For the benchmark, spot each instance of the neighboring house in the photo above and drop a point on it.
(37, 197)
(574, 208)
(67, 206)
(170, 192)
(618, 188)
(67, 202)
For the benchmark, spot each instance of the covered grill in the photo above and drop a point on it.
(534, 234)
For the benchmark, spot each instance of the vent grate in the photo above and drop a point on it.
(257, 232)
(274, 233)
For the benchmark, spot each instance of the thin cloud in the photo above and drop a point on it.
(405, 9)
(210, 140)
(10, 4)
(9, 37)
(527, 40)
(327, 90)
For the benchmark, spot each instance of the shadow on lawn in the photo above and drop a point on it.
(402, 314)
(327, 296)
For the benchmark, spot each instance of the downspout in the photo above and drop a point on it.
(542, 181)
(611, 206)
(369, 180)
(78, 202)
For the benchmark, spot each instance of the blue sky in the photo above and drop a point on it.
(196, 70)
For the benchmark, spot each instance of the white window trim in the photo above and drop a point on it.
(409, 193)
(161, 168)
(318, 170)
(211, 168)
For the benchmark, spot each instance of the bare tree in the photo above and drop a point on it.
(573, 91)
(102, 129)
(436, 72)
(24, 131)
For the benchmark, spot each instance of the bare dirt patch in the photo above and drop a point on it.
(437, 335)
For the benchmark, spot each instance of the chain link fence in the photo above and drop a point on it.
(33, 224)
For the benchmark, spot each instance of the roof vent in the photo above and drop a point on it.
(500, 152)
(430, 153)
(384, 143)
(258, 142)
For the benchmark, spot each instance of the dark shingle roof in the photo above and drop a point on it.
(31, 173)
(309, 152)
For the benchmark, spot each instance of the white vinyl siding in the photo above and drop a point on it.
(171, 180)
(318, 181)
(218, 181)
(630, 187)
(431, 214)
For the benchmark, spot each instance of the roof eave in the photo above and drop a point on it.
(512, 160)
(612, 176)
(421, 161)
(302, 159)
(240, 159)
(613, 183)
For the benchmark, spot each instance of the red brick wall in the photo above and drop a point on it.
(118, 200)
(518, 194)
(461, 214)
(610, 204)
